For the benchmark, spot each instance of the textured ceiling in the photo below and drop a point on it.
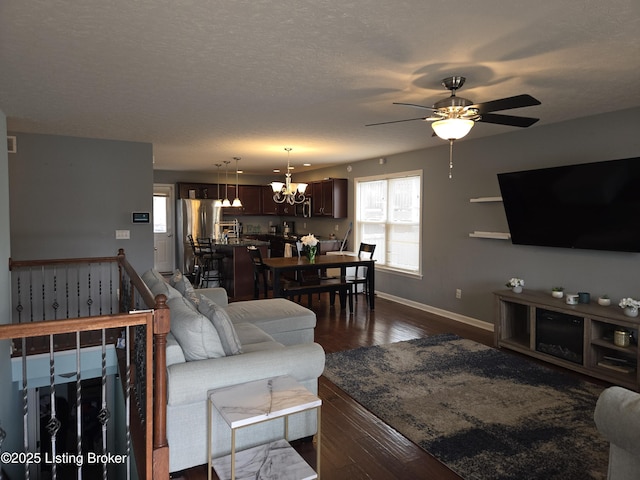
(205, 81)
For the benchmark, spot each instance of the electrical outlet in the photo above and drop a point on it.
(337, 227)
(458, 293)
(123, 234)
(304, 225)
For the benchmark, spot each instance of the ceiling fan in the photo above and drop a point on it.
(453, 117)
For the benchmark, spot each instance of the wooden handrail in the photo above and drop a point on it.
(13, 264)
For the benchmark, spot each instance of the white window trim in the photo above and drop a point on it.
(389, 176)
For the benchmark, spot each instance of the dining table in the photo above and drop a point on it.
(280, 265)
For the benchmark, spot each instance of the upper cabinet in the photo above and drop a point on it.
(329, 198)
(251, 198)
(269, 207)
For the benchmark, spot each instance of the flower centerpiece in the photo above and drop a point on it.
(515, 284)
(630, 306)
(311, 242)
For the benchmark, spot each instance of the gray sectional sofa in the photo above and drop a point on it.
(215, 344)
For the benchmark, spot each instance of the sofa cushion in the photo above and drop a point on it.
(194, 332)
(220, 320)
(255, 340)
(183, 285)
(272, 314)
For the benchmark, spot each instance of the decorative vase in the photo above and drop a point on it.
(557, 294)
(517, 289)
(311, 254)
(605, 302)
(631, 312)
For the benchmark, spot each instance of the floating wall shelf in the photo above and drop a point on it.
(485, 199)
(493, 235)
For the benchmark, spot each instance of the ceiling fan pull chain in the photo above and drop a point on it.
(450, 156)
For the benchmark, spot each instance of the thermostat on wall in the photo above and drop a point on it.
(140, 217)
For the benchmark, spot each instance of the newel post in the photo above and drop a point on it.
(161, 326)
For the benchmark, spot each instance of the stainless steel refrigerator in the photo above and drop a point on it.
(197, 218)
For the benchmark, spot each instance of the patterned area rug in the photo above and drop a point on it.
(485, 413)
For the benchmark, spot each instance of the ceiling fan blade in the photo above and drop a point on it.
(510, 120)
(396, 121)
(415, 105)
(506, 103)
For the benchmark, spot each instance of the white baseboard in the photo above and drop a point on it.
(438, 311)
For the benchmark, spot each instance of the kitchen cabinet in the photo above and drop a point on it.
(269, 207)
(329, 198)
(251, 197)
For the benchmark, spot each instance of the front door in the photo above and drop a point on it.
(163, 238)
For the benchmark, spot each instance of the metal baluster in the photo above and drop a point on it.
(89, 299)
(100, 265)
(127, 400)
(111, 289)
(104, 414)
(66, 289)
(25, 406)
(53, 426)
(30, 295)
(78, 289)
(55, 303)
(19, 307)
(44, 294)
(78, 403)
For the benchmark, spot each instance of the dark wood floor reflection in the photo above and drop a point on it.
(355, 443)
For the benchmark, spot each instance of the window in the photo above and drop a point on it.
(160, 213)
(388, 214)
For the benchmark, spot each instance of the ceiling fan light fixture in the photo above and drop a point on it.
(452, 128)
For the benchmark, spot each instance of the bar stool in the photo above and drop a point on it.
(212, 265)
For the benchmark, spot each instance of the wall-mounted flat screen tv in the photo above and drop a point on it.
(589, 206)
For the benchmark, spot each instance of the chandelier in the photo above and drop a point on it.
(289, 192)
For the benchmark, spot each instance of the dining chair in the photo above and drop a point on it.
(260, 271)
(360, 276)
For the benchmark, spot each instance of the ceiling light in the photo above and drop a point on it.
(289, 192)
(452, 128)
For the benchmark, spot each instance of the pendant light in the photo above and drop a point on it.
(226, 202)
(218, 202)
(236, 201)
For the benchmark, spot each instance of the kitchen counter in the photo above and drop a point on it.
(277, 242)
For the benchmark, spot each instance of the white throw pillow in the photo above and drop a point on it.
(222, 323)
(183, 285)
(194, 332)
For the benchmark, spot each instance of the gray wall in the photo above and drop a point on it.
(451, 259)
(69, 195)
(9, 421)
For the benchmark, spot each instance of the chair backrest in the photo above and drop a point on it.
(205, 245)
(192, 242)
(256, 256)
(367, 248)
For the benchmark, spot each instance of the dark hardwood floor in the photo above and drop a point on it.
(355, 443)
